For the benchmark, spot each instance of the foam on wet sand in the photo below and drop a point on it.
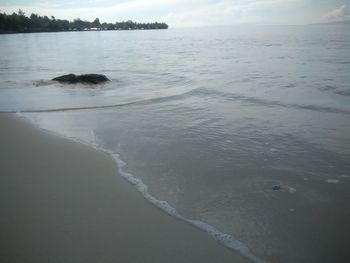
(61, 201)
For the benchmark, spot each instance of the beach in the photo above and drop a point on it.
(204, 140)
(63, 201)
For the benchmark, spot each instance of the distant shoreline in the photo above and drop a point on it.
(65, 31)
(20, 23)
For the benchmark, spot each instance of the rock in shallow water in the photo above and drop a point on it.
(86, 78)
(276, 187)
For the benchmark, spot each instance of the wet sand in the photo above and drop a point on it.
(62, 201)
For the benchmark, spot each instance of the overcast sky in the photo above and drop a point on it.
(180, 13)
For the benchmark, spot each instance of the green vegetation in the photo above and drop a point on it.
(20, 23)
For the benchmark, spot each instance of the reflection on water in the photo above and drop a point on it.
(211, 120)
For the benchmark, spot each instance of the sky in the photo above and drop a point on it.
(189, 13)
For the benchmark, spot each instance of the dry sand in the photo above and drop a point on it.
(62, 201)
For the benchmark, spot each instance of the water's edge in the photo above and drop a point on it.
(224, 239)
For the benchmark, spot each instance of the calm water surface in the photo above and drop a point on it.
(212, 120)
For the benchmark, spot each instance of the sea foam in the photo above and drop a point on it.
(227, 240)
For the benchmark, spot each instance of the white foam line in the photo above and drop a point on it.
(225, 239)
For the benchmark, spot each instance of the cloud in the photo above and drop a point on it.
(229, 12)
(212, 14)
(341, 13)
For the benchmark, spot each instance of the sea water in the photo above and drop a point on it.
(242, 131)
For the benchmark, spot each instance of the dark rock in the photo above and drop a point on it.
(86, 78)
(71, 78)
(276, 187)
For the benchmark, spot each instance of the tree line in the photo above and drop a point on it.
(20, 23)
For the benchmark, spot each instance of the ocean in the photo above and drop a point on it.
(242, 131)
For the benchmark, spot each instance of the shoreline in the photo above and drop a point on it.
(222, 238)
(62, 31)
(64, 203)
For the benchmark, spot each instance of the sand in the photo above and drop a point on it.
(62, 201)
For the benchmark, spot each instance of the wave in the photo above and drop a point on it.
(138, 102)
(196, 92)
(267, 103)
(227, 240)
